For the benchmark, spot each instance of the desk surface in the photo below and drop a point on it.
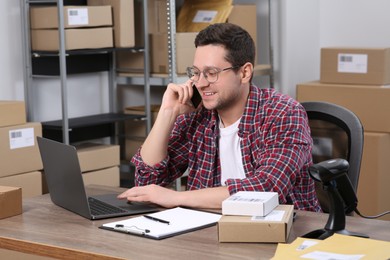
(48, 230)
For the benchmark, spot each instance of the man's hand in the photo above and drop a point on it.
(152, 193)
(178, 98)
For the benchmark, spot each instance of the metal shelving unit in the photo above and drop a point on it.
(67, 126)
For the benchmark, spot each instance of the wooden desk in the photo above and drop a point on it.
(48, 230)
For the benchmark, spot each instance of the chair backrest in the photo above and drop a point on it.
(337, 133)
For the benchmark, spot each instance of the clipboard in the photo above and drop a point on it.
(164, 224)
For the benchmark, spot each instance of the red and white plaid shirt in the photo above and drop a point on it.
(275, 145)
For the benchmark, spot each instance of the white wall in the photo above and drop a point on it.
(299, 29)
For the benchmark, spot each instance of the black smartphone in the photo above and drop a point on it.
(196, 98)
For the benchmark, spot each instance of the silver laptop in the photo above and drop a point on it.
(66, 186)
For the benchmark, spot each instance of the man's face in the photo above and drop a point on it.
(226, 91)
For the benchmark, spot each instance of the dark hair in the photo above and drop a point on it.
(237, 41)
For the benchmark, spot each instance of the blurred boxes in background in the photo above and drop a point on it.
(19, 151)
(12, 112)
(94, 38)
(355, 65)
(30, 182)
(373, 191)
(370, 104)
(10, 201)
(94, 156)
(135, 130)
(106, 177)
(194, 16)
(187, 29)
(123, 17)
(86, 27)
(74, 17)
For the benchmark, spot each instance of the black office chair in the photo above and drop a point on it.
(337, 152)
(337, 133)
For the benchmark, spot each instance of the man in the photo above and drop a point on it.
(241, 138)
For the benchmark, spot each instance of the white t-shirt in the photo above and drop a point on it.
(230, 153)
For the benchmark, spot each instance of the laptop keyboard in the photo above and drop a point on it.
(101, 208)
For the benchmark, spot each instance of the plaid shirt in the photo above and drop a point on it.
(275, 146)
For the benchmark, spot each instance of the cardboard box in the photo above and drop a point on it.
(97, 156)
(12, 113)
(74, 16)
(355, 65)
(123, 16)
(250, 203)
(10, 201)
(197, 15)
(246, 17)
(252, 229)
(19, 151)
(107, 177)
(137, 128)
(373, 191)
(370, 103)
(29, 182)
(185, 51)
(92, 38)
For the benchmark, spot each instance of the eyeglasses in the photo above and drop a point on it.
(210, 74)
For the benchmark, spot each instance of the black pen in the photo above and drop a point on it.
(157, 219)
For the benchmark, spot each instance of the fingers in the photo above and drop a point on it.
(183, 91)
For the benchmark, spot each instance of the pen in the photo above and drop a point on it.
(131, 230)
(157, 219)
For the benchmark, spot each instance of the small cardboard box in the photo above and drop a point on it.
(12, 113)
(10, 201)
(355, 65)
(370, 103)
(123, 16)
(273, 228)
(92, 38)
(94, 156)
(19, 151)
(250, 203)
(74, 17)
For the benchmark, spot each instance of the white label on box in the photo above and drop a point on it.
(275, 215)
(20, 138)
(203, 16)
(78, 16)
(322, 146)
(352, 63)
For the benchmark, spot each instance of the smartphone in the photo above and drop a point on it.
(196, 98)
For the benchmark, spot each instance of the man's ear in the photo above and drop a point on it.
(247, 72)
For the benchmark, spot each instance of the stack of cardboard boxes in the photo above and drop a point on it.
(358, 79)
(86, 27)
(19, 154)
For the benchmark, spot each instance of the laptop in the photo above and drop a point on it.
(66, 186)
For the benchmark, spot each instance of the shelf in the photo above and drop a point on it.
(87, 127)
